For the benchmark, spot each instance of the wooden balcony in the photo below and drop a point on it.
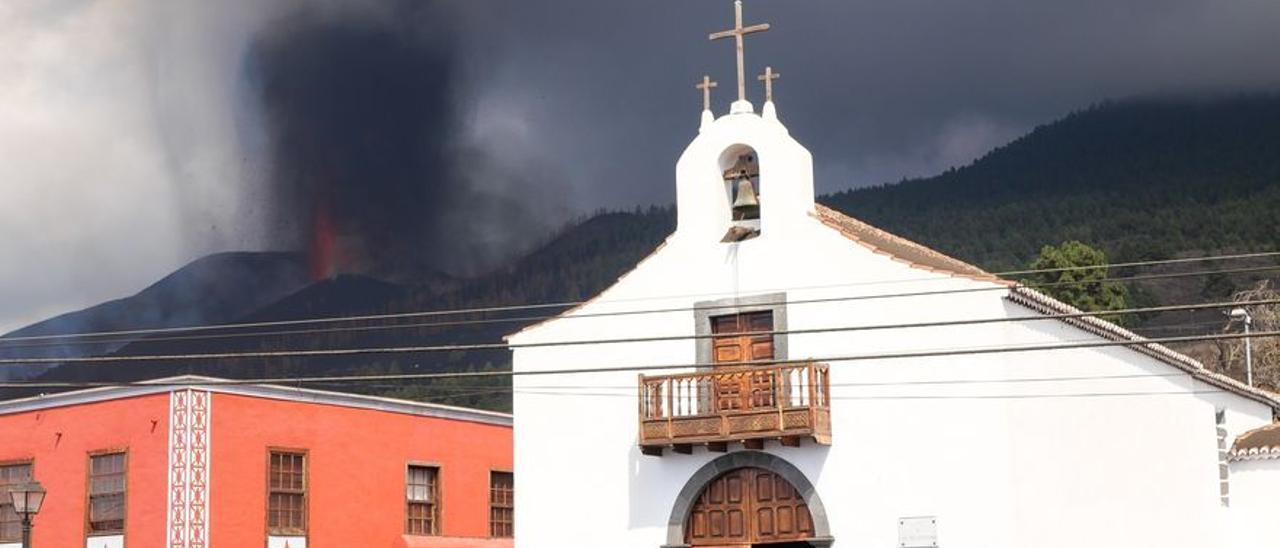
(749, 404)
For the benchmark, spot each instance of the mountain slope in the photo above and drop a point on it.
(213, 289)
(1141, 179)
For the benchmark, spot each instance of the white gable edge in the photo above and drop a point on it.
(1045, 304)
(268, 391)
(598, 297)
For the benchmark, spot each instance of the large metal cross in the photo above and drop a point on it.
(738, 32)
(706, 86)
(768, 77)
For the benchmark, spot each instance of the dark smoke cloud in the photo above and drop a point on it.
(366, 148)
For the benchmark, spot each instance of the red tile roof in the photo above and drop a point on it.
(899, 248)
(1258, 444)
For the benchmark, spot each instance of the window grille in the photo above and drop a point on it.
(422, 498)
(287, 493)
(10, 521)
(501, 504)
(106, 493)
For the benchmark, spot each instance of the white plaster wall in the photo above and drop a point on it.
(1255, 503)
(1002, 464)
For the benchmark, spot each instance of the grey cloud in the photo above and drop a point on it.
(877, 90)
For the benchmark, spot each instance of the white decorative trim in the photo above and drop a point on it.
(188, 515)
(1255, 453)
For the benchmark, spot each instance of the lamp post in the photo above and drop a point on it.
(1242, 314)
(27, 499)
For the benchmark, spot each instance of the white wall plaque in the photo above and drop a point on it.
(918, 532)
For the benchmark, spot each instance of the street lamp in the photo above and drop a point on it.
(1242, 314)
(27, 498)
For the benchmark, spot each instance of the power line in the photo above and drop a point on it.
(4, 343)
(1073, 345)
(632, 388)
(1182, 326)
(10, 341)
(947, 396)
(841, 397)
(572, 389)
(584, 342)
(1155, 262)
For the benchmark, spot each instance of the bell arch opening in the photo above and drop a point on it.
(748, 499)
(740, 171)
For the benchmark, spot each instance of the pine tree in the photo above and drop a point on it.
(1070, 280)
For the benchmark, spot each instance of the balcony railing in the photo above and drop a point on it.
(786, 402)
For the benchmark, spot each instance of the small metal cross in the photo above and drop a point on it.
(706, 86)
(768, 77)
(737, 33)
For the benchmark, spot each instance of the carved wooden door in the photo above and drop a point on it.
(721, 513)
(748, 506)
(741, 338)
(780, 512)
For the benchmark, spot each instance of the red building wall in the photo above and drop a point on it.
(60, 439)
(357, 460)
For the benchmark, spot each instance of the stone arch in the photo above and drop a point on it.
(746, 459)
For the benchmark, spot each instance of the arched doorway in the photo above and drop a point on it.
(748, 507)
(698, 484)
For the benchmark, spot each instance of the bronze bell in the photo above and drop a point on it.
(745, 203)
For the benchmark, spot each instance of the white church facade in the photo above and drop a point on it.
(784, 375)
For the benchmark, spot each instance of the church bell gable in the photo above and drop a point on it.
(739, 159)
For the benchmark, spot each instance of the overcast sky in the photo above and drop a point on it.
(132, 139)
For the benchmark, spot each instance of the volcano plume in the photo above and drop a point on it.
(361, 111)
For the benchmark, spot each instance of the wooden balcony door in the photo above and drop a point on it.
(742, 338)
(748, 507)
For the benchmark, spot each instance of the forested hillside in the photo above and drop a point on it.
(1141, 179)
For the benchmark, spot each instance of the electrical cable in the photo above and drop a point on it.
(1035, 347)
(584, 342)
(10, 341)
(570, 304)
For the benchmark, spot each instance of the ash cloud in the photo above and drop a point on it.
(370, 169)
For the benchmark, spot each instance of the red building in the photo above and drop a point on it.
(188, 464)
